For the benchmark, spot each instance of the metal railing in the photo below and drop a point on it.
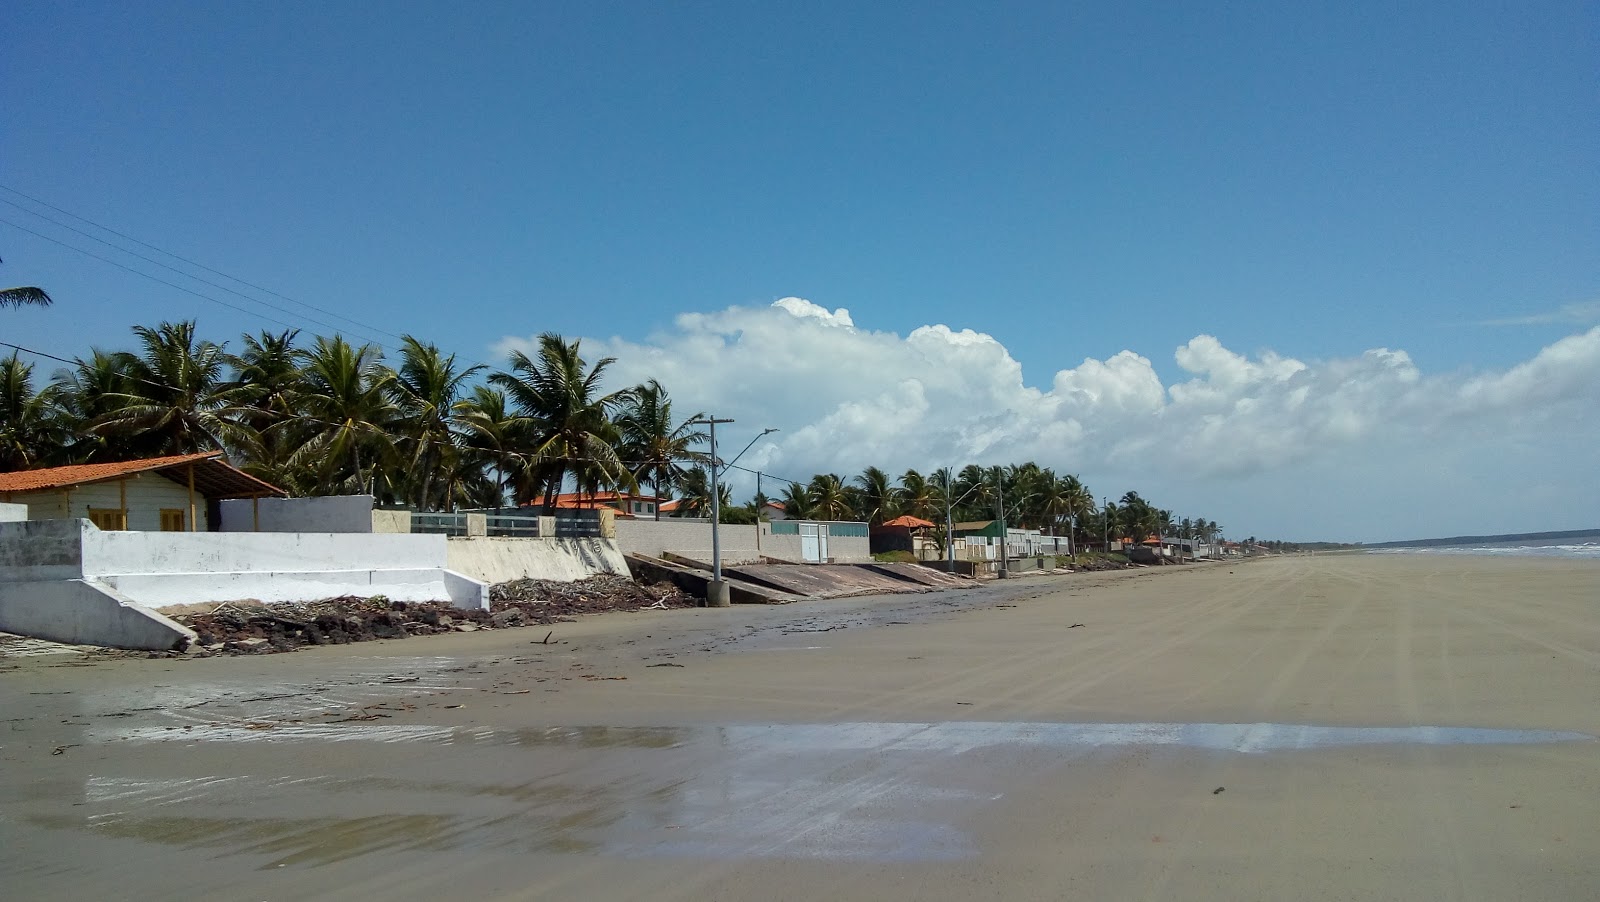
(443, 524)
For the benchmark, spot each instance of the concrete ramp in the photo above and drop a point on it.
(86, 612)
(694, 581)
(923, 576)
(826, 580)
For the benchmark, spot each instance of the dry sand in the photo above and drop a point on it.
(952, 746)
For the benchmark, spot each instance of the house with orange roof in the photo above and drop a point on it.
(168, 494)
(627, 504)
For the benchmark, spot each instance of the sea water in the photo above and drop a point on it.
(1583, 547)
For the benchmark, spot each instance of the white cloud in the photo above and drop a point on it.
(847, 397)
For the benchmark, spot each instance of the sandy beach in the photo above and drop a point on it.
(1323, 727)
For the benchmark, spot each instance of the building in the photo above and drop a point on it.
(625, 504)
(905, 533)
(165, 494)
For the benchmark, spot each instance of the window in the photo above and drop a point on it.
(172, 520)
(108, 517)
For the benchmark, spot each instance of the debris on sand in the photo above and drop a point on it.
(248, 627)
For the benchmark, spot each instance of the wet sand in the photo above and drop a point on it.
(1378, 727)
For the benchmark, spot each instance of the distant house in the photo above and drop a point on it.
(168, 494)
(774, 510)
(624, 503)
(905, 533)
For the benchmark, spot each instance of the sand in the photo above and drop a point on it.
(1327, 727)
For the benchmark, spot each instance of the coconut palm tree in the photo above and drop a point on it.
(570, 427)
(347, 397)
(425, 391)
(30, 425)
(175, 398)
(655, 449)
(829, 499)
(920, 497)
(695, 500)
(25, 296)
(84, 393)
(975, 489)
(491, 434)
(878, 499)
(797, 503)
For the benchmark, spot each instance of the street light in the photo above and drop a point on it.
(949, 525)
(717, 590)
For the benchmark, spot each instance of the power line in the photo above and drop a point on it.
(195, 263)
(180, 272)
(136, 272)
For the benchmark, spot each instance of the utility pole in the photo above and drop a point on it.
(949, 525)
(1105, 521)
(717, 590)
(1000, 505)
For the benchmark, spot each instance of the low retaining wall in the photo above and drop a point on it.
(498, 560)
(688, 538)
(66, 580)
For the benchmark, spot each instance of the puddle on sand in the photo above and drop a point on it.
(954, 736)
(850, 792)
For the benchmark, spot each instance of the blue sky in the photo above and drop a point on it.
(1305, 182)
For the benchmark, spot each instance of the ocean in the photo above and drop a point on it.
(1582, 547)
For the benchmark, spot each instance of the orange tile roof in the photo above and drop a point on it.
(216, 478)
(908, 522)
(586, 501)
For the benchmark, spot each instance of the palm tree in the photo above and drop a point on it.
(569, 419)
(30, 427)
(656, 449)
(696, 498)
(1051, 499)
(268, 371)
(919, 497)
(175, 399)
(976, 493)
(425, 391)
(491, 434)
(829, 499)
(346, 394)
(85, 393)
(25, 296)
(878, 499)
(797, 503)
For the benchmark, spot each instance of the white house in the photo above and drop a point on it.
(167, 494)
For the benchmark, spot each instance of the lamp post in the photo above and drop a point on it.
(1000, 508)
(729, 465)
(949, 523)
(717, 590)
(1105, 521)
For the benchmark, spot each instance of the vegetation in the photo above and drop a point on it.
(331, 417)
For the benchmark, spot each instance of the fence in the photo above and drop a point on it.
(518, 524)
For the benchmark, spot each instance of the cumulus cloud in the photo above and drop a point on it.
(847, 397)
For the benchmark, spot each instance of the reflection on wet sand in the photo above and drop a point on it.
(852, 791)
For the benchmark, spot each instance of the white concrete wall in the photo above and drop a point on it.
(13, 513)
(147, 494)
(335, 513)
(498, 560)
(135, 552)
(690, 538)
(42, 550)
(841, 549)
(391, 521)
